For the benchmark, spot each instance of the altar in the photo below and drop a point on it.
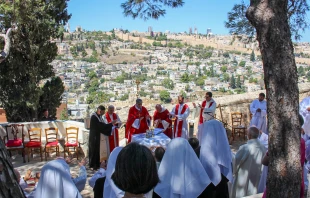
(158, 140)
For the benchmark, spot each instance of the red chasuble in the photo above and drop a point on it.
(203, 105)
(178, 124)
(163, 116)
(134, 114)
(113, 138)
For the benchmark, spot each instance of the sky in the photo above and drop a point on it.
(107, 14)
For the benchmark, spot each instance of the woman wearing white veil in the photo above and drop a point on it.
(181, 173)
(56, 182)
(215, 156)
(110, 190)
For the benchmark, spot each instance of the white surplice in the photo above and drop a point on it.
(248, 168)
(263, 138)
(182, 117)
(215, 153)
(259, 118)
(305, 103)
(56, 182)
(180, 172)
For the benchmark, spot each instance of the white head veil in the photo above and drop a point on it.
(215, 153)
(180, 172)
(110, 189)
(56, 182)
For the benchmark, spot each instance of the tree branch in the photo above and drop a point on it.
(7, 39)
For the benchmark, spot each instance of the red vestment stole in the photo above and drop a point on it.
(178, 123)
(114, 136)
(201, 111)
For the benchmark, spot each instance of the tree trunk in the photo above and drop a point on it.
(269, 17)
(9, 187)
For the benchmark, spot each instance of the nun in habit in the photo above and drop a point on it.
(181, 173)
(56, 182)
(215, 156)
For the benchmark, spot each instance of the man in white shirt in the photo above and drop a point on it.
(248, 167)
(258, 109)
(180, 113)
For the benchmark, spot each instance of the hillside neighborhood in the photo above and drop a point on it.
(103, 67)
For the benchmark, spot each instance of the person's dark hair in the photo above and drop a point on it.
(135, 169)
(44, 110)
(262, 94)
(209, 94)
(194, 142)
(159, 153)
(301, 120)
(138, 101)
(101, 107)
(180, 96)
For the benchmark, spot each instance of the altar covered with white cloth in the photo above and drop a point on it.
(158, 140)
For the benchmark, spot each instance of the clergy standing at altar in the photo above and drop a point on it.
(161, 120)
(258, 109)
(97, 127)
(208, 103)
(114, 138)
(138, 120)
(180, 113)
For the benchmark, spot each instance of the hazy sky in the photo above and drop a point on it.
(107, 14)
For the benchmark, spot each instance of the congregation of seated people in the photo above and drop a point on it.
(203, 167)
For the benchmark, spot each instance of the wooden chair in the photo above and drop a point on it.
(34, 141)
(51, 145)
(72, 134)
(236, 120)
(13, 142)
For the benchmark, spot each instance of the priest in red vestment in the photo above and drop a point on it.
(208, 103)
(114, 138)
(138, 120)
(162, 120)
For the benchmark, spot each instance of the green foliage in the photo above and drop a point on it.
(252, 58)
(168, 84)
(238, 84)
(98, 97)
(224, 69)
(301, 71)
(124, 97)
(92, 75)
(242, 63)
(233, 82)
(50, 97)
(185, 78)
(296, 13)
(187, 88)
(31, 53)
(164, 96)
(253, 80)
(226, 54)
(225, 77)
(64, 114)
